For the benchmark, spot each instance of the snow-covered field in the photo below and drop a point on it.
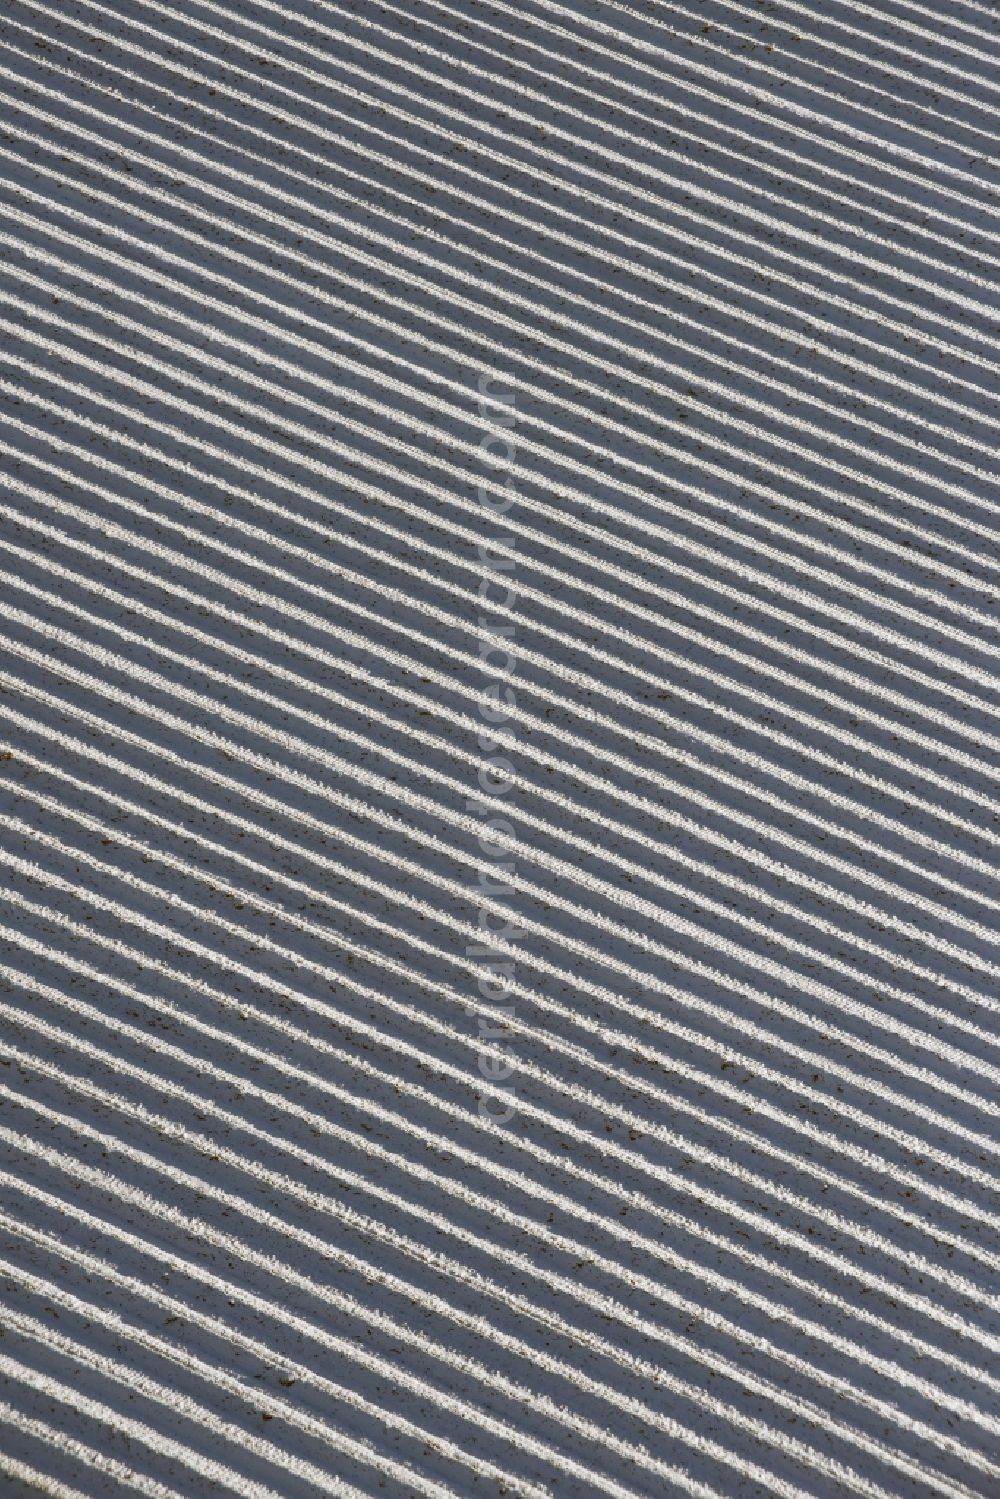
(499, 745)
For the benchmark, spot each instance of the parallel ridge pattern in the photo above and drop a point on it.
(737, 265)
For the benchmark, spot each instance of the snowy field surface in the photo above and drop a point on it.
(499, 743)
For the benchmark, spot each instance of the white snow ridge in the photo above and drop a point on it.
(498, 992)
